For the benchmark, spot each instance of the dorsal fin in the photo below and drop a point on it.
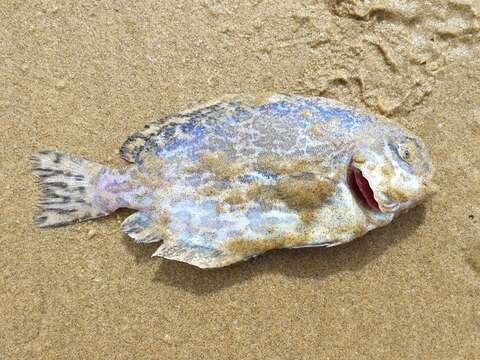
(136, 142)
(158, 133)
(161, 131)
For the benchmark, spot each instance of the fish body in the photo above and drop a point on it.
(232, 179)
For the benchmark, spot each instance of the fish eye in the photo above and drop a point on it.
(407, 152)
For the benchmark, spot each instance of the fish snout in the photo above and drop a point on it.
(400, 193)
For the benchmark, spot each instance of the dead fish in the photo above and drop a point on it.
(232, 179)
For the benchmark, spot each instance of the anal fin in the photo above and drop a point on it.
(201, 257)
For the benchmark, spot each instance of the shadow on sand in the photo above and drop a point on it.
(317, 263)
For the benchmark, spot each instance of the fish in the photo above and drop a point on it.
(231, 179)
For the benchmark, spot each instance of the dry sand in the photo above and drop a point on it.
(81, 75)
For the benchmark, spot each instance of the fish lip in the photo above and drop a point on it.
(361, 189)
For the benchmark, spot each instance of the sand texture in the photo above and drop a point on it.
(80, 76)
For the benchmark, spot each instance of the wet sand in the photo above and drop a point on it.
(81, 78)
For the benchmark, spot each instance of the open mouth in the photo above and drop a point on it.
(360, 187)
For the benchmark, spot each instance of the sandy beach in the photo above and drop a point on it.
(80, 76)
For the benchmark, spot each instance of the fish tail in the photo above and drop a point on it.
(69, 186)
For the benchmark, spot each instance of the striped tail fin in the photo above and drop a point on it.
(68, 186)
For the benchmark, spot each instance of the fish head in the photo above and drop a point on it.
(391, 170)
